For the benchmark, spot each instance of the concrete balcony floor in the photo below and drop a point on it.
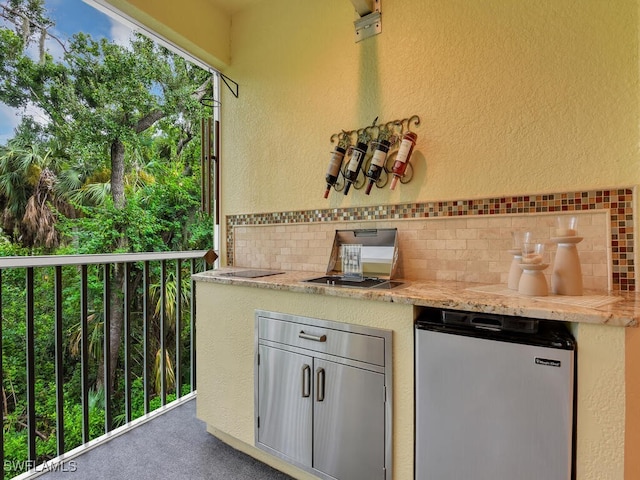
(172, 445)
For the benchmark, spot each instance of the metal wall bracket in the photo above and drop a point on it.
(370, 21)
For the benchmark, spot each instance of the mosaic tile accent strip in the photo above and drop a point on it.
(619, 203)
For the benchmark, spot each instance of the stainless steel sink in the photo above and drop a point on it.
(351, 282)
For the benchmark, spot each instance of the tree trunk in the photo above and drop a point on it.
(117, 174)
(117, 319)
(117, 273)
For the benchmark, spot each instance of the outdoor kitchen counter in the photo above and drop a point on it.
(620, 309)
(225, 346)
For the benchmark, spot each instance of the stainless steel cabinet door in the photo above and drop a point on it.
(349, 421)
(286, 403)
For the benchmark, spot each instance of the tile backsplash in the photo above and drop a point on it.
(455, 240)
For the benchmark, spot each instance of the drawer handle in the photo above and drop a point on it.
(315, 338)
(306, 381)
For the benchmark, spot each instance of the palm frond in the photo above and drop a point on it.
(170, 295)
(170, 377)
(96, 398)
(95, 338)
(69, 180)
(91, 194)
(26, 158)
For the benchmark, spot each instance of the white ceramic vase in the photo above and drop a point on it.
(566, 278)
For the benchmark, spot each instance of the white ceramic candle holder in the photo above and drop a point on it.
(532, 281)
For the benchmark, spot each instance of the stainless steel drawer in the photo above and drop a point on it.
(319, 338)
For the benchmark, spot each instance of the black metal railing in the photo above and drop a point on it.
(127, 283)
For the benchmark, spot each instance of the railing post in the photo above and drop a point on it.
(84, 353)
(192, 329)
(31, 372)
(59, 365)
(2, 405)
(127, 342)
(163, 346)
(178, 369)
(145, 336)
(106, 348)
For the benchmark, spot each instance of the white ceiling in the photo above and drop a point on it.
(233, 6)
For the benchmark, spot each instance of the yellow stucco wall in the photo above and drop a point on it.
(196, 26)
(601, 404)
(515, 97)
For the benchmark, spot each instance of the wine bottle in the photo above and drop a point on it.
(403, 156)
(377, 161)
(335, 165)
(355, 164)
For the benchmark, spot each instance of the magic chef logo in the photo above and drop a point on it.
(547, 362)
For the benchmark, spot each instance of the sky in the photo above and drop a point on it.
(70, 16)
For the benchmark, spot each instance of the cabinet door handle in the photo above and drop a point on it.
(306, 381)
(320, 384)
(315, 338)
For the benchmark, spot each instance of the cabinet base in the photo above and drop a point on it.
(260, 455)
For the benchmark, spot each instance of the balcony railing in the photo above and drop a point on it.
(144, 294)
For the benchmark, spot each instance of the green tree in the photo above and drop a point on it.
(103, 102)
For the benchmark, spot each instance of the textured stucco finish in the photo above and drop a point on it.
(514, 97)
(197, 26)
(601, 403)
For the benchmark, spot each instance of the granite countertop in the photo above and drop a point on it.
(616, 309)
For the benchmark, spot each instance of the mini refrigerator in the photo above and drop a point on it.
(494, 398)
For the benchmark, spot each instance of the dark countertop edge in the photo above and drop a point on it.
(447, 294)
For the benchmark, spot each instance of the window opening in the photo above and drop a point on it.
(210, 128)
